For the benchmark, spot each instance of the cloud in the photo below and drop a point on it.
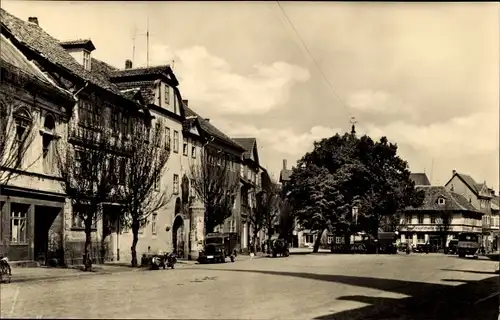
(210, 82)
(475, 134)
(376, 101)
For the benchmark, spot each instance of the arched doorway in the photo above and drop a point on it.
(178, 230)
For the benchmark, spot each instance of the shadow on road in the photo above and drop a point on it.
(426, 301)
(472, 271)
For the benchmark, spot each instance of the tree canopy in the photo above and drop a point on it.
(343, 172)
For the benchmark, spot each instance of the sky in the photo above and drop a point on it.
(426, 75)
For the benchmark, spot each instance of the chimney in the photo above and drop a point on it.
(284, 164)
(128, 64)
(33, 20)
(454, 171)
(185, 102)
(207, 119)
(492, 192)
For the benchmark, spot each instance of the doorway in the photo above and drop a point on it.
(47, 237)
(178, 236)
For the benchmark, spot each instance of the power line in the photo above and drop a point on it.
(314, 61)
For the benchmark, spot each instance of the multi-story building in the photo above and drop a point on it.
(250, 185)
(443, 215)
(479, 196)
(38, 220)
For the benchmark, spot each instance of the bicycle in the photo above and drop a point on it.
(5, 270)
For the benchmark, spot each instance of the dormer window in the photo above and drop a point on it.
(441, 201)
(86, 60)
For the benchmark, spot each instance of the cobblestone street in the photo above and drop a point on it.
(321, 286)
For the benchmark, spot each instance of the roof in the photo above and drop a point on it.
(11, 55)
(248, 144)
(101, 67)
(156, 70)
(420, 179)
(79, 43)
(470, 182)
(211, 130)
(453, 201)
(147, 89)
(37, 40)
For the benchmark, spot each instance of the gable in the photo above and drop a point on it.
(194, 130)
(255, 153)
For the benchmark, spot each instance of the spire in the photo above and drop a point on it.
(353, 125)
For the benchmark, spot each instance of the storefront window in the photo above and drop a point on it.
(18, 223)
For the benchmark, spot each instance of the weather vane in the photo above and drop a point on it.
(353, 125)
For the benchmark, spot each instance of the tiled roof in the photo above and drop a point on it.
(469, 181)
(453, 201)
(37, 40)
(130, 93)
(210, 129)
(156, 70)
(147, 89)
(85, 43)
(248, 144)
(420, 179)
(101, 67)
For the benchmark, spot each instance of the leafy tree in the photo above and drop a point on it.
(216, 185)
(345, 171)
(140, 170)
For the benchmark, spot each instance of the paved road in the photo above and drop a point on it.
(323, 286)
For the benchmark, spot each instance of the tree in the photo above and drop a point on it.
(318, 204)
(265, 211)
(286, 219)
(216, 185)
(443, 222)
(16, 136)
(139, 178)
(343, 172)
(87, 175)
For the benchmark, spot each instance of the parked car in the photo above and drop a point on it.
(213, 252)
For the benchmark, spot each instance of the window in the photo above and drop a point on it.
(433, 219)
(77, 220)
(242, 172)
(89, 114)
(156, 137)
(232, 226)
(115, 122)
(86, 60)
(23, 124)
(339, 240)
(153, 224)
(420, 219)
(176, 141)
(184, 146)
(47, 144)
(192, 191)
(193, 152)
(309, 238)
(122, 176)
(125, 125)
(441, 201)
(167, 138)
(176, 184)
(78, 163)
(330, 239)
(167, 94)
(18, 223)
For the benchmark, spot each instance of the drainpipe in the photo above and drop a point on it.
(76, 93)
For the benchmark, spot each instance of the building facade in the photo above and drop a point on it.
(443, 215)
(479, 196)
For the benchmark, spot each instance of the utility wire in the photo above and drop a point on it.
(315, 63)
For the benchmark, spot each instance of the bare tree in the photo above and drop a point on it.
(16, 136)
(216, 185)
(140, 192)
(265, 212)
(88, 177)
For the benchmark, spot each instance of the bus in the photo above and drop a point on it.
(468, 245)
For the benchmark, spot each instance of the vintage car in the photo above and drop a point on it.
(212, 252)
(468, 245)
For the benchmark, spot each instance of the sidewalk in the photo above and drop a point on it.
(20, 274)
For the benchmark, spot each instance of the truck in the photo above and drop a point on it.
(468, 245)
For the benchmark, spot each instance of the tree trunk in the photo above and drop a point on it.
(254, 240)
(318, 240)
(87, 261)
(347, 242)
(269, 235)
(135, 234)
